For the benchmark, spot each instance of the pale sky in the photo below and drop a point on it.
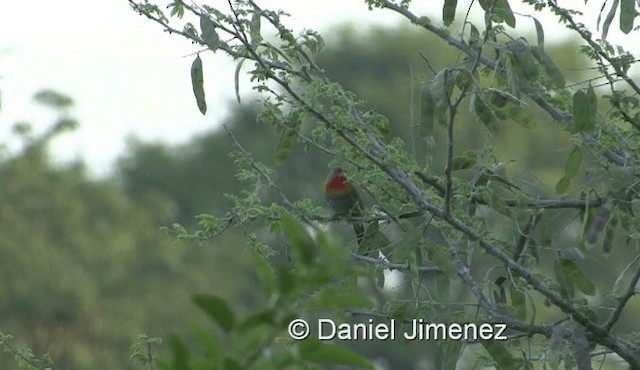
(128, 77)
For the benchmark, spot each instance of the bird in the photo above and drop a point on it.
(343, 198)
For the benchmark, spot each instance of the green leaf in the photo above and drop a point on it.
(522, 59)
(627, 14)
(441, 258)
(451, 350)
(572, 271)
(257, 319)
(180, 353)
(465, 161)
(217, 309)
(441, 87)
(573, 254)
(567, 289)
(406, 247)
(427, 111)
(209, 34)
(549, 66)
(504, 107)
(501, 355)
(232, 364)
(518, 303)
(582, 117)
(303, 250)
(286, 144)
(592, 102)
(609, 19)
(254, 29)
(563, 185)
(573, 162)
(499, 205)
(483, 112)
(539, 33)
(286, 280)
(316, 351)
(449, 11)
(209, 342)
(265, 272)
(474, 35)
(197, 84)
(501, 11)
(373, 239)
(177, 9)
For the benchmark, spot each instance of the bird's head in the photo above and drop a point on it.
(337, 180)
(338, 171)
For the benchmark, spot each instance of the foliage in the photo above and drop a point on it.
(473, 235)
(83, 268)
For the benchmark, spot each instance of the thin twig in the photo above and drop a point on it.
(622, 300)
(385, 264)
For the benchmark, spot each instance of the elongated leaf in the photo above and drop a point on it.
(286, 144)
(567, 289)
(539, 33)
(406, 247)
(236, 79)
(503, 10)
(303, 247)
(449, 11)
(563, 185)
(217, 309)
(180, 353)
(209, 34)
(549, 66)
(265, 273)
(286, 280)
(474, 35)
(499, 205)
(582, 117)
(609, 19)
(573, 163)
(197, 81)
(577, 277)
(373, 240)
(451, 350)
(316, 351)
(573, 254)
(592, 102)
(522, 59)
(209, 342)
(427, 110)
(627, 14)
(263, 317)
(440, 89)
(518, 303)
(254, 29)
(441, 258)
(501, 355)
(483, 112)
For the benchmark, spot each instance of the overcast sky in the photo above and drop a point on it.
(128, 77)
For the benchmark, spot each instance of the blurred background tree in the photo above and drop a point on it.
(85, 269)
